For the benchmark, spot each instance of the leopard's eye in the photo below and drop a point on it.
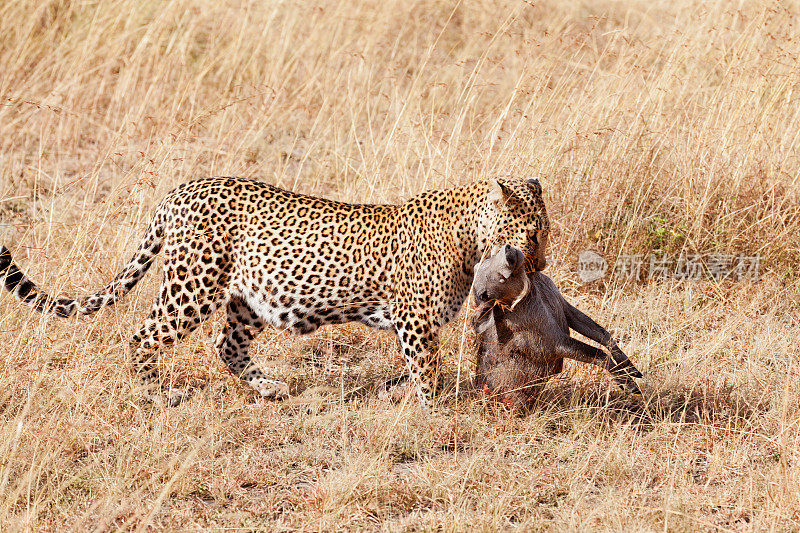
(534, 237)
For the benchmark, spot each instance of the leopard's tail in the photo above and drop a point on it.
(26, 290)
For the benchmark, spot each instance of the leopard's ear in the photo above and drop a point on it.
(499, 193)
(534, 184)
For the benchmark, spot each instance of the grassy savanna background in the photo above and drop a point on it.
(667, 128)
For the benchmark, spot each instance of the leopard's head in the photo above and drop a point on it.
(515, 214)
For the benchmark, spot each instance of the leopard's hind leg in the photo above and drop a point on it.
(182, 304)
(241, 327)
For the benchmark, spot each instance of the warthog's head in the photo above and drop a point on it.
(502, 278)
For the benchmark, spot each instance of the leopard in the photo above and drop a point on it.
(273, 257)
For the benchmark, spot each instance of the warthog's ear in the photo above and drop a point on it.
(514, 256)
(514, 265)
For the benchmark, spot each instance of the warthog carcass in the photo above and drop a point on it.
(523, 325)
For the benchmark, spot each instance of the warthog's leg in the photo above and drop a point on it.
(623, 373)
(592, 330)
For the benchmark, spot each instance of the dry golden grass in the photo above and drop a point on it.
(668, 127)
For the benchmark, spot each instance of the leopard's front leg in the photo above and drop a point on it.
(419, 341)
